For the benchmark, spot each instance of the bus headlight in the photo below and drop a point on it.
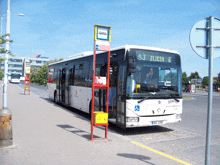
(132, 119)
(178, 116)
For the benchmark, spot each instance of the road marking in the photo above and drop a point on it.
(147, 138)
(160, 153)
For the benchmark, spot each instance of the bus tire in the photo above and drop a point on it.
(55, 97)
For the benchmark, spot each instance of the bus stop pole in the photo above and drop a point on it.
(93, 90)
(107, 102)
(210, 92)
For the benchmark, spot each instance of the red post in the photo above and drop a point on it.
(93, 90)
(107, 103)
(99, 37)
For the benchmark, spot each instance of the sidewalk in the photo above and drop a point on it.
(48, 134)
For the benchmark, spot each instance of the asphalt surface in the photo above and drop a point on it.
(184, 141)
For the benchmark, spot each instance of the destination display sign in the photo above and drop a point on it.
(154, 57)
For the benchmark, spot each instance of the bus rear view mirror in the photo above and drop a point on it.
(131, 65)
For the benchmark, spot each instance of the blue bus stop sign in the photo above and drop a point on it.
(199, 37)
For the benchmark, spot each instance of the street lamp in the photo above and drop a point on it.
(6, 55)
(5, 15)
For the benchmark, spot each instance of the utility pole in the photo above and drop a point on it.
(6, 56)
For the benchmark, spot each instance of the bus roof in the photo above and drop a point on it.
(126, 47)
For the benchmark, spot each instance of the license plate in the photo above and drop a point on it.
(157, 122)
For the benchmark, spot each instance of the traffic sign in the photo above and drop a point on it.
(102, 38)
(199, 37)
(205, 41)
(102, 33)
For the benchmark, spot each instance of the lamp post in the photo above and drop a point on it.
(6, 56)
(7, 52)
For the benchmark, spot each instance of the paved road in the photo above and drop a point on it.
(185, 140)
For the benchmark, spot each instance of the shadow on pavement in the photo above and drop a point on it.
(77, 131)
(135, 156)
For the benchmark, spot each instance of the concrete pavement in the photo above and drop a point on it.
(46, 133)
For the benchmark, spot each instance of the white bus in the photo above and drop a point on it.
(15, 78)
(145, 85)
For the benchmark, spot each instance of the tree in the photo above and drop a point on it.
(34, 77)
(3, 41)
(205, 81)
(39, 75)
(194, 76)
(42, 74)
(1, 74)
(2, 50)
(185, 79)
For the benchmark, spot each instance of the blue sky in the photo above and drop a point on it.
(58, 29)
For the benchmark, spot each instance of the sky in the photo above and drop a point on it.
(59, 29)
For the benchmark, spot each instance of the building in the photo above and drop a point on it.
(16, 64)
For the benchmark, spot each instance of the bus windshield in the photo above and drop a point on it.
(15, 76)
(154, 79)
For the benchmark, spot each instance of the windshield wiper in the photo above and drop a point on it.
(172, 96)
(146, 98)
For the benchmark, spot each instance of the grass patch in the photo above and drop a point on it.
(184, 97)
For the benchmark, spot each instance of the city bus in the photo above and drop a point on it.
(15, 78)
(145, 85)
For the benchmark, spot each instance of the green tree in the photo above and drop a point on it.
(42, 74)
(185, 79)
(205, 81)
(39, 75)
(2, 50)
(3, 41)
(194, 75)
(1, 74)
(34, 77)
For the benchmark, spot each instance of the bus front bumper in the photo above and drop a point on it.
(155, 120)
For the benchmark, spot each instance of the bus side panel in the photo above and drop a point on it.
(75, 101)
(80, 97)
(86, 95)
(50, 90)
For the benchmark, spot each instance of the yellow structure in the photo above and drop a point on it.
(100, 118)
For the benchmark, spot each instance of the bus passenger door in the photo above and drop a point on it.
(63, 80)
(121, 96)
(67, 87)
(59, 86)
(70, 85)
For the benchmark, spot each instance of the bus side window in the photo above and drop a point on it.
(85, 73)
(71, 76)
(55, 76)
(78, 76)
(89, 82)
